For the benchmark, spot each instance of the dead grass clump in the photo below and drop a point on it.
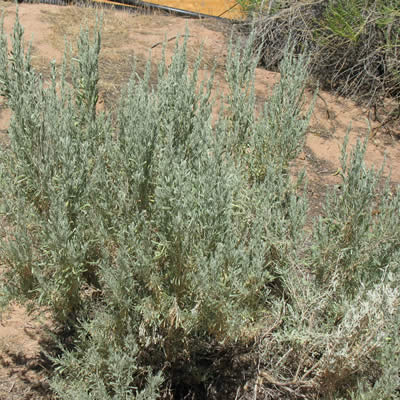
(354, 45)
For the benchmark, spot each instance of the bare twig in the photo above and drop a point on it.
(326, 105)
(168, 40)
(393, 116)
(294, 382)
(11, 388)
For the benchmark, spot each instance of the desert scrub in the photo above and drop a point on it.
(173, 246)
(354, 45)
(54, 138)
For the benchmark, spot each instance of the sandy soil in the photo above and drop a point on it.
(125, 35)
(22, 365)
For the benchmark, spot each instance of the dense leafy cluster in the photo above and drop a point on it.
(172, 241)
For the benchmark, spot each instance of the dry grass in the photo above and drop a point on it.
(124, 38)
(116, 58)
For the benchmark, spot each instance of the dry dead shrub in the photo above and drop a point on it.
(354, 45)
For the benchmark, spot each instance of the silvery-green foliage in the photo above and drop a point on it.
(157, 214)
(166, 233)
(278, 134)
(283, 124)
(363, 330)
(240, 73)
(196, 226)
(50, 179)
(387, 384)
(357, 237)
(335, 351)
(111, 369)
(85, 74)
(340, 321)
(19, 76)
(267, 144)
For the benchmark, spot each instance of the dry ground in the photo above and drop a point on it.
(22, 366)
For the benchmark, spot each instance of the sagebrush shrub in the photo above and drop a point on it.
(173, 244)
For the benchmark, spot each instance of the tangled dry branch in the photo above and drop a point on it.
(355, 51)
